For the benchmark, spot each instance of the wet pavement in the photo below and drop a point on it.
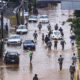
(44, 62)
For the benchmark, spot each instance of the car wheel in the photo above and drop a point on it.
(20, 44)
(29, 21)
(6, 62)
(8, 44)
(34, 48)
(35, 21)
(17, 62)
(23, 47)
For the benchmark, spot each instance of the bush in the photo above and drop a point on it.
(69, 20)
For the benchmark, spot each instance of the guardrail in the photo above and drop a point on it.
(77, 73)
(77, 76)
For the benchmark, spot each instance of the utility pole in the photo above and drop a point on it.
(2, 36)
(23, 13)
(18, 16)
(26, 5)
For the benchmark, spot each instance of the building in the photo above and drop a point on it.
(44, 3)
(65, 4)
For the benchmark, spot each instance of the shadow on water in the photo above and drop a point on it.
(30, 67)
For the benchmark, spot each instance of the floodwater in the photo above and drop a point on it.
(44, 62)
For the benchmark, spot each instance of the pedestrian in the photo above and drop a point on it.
(62, 43)
(15, 28)
(72, 71)
(60, 60)
(72, 37)
(49, 44)
(56, 27)
(26, 25)
(46, 39)
(42, 36)
(71, 29)
(49, 34)
(72, 42)
(35, 77)
(35, 35)
(60, 29)
(62, 34)
(74, 58)
(30, 55)
(39, 26)
(49, 27)
(55, 43)
(6, 27)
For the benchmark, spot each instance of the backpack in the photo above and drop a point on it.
(49, 44)
(35, 35)
(62, 42)
(72, 68)
(74, 58)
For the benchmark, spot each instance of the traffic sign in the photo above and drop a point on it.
(26, 13)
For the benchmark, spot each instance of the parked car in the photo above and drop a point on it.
(29, 45)
(11, 57)
(14, 40)
(32, 18)
(44, 19)
(56, 35)
(22, 29)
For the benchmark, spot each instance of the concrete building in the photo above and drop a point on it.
(65, 4)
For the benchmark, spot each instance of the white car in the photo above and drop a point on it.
(32, 18)
(14, 40)
(56, 34)
(22, 29)
(44, 19)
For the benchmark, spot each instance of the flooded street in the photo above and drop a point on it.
(44, 62)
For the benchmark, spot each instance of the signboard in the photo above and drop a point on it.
(26, 14)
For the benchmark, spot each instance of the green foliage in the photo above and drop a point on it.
(33, 2)
(76, 25)
(69, 20)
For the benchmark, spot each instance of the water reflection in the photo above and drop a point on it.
(30, 67)
(12, 67)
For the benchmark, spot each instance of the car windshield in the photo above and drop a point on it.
(14, 37)
(32, 17)
(22, 27)
(28, 41)
(56, 33)
(44, 17)
(12, 53)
